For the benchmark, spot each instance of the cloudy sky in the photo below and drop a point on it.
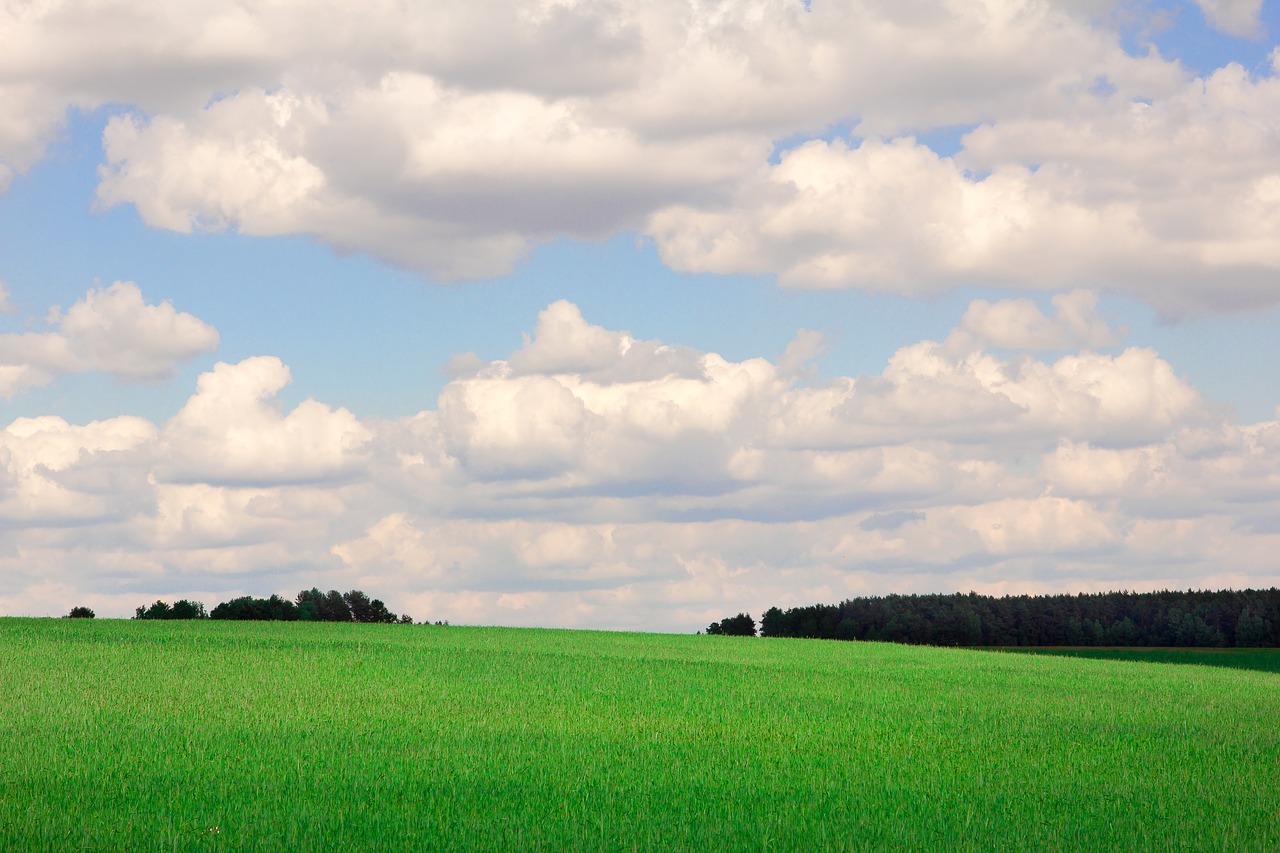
(606, 314)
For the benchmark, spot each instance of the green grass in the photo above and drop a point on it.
(1262, 660)
(120, 735)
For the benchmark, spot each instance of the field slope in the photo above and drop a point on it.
(1263, 660)
(203, 735)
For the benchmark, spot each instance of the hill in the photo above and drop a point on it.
(139, 735)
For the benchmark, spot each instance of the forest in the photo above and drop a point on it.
(1239, 618)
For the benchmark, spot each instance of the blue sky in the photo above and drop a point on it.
(296, 298)
(1044, 307)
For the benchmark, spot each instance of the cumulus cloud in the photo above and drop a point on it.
(56, 473)
(1234, 17)
(592, 479)
(233, 432)
(565, 343)
(459, 184)
(1020, 324)
(1140, 196)
(112, 330)
(452, 141)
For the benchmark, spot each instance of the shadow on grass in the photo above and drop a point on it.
(1263, 660)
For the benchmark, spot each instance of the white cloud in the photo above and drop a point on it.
(28, 121)
(55, 473)
(458, 183)
(1162, 200)
(232, 432)
(181, 181)
(452, 140)
(565, 343)
(591, 479)
(16, 378)
(1020, 324)
(111, 330)
(1234, 17)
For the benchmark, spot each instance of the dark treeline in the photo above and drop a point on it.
(1245, 618)
(181, 609)
(311, 605)
(741, 625)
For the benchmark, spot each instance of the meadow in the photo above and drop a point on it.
(201, 735)
(1262, 660)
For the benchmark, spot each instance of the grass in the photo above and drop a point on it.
(1262, 660)
(121, 735)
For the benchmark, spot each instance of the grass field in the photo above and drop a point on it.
(122, 735)
(1262, 660)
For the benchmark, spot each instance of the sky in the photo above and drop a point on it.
(588, 314)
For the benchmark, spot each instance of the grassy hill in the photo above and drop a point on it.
(304, 736)
(1263, 660)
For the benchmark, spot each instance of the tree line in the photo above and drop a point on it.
(741, 625)
(310, 605)
(1240, 618)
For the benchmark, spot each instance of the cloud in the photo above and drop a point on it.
(1234, 17)
(460, 184)
(55, 473)
(231, 175)
(1128, 195)
(28, 121)
(565, 343)
(590, 479)
(111, 330)
(16, 378)
(231, 432)
(1020, 324)
(374, 131)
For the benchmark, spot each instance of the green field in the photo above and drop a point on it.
(1262, 660)
(123, 735)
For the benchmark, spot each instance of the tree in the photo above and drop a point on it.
(335, 608)
(1192, 618)
(379, 612)
(80, 613)
(365, 610)
(741, 625)
(970, 626)
(273, 609)
(309, 603)
(236, 608)
(317, 606)
(1124, 633)
(359, 604)
(1252, 630)
(159, 610)
(772, 623)
(182, 609)
(280, 609)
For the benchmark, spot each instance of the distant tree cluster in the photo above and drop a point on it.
(741, 625)
(1244, 618)
(80, 613)
(181, 609)
(273, 609)
(311, 605)
(332, 606)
